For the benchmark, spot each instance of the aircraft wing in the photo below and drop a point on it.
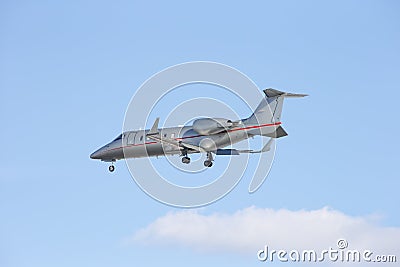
(157, 137)
(178, 144)
(154, 134)
(266, 148)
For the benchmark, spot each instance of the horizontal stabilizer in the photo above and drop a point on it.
(273, 93)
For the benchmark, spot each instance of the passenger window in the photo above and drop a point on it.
(141, 138)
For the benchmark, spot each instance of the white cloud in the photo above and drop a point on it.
(248, 230)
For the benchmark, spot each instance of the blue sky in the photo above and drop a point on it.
(68, 71)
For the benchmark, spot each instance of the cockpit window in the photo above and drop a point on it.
(119, 137)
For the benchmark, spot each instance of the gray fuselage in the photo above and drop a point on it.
(135, 144)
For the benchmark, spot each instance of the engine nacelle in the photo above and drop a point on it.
(208, 126)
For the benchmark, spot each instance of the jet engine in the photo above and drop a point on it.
(208, 126)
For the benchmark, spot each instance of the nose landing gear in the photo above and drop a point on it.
(111, 168)
(185, 159)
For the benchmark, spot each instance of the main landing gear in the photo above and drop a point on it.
(186, 160)
(208, 162)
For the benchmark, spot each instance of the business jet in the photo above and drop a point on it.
(205, 135)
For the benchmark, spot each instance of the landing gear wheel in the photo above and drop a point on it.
(208, 163)
(111, 168)
(186, 160)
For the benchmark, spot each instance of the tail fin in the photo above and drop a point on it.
(270, 109)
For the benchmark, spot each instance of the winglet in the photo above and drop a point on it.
(154, 128)
(267, 147)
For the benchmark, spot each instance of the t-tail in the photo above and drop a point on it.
(267, 116)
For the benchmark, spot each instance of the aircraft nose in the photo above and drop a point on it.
(97, 154)
(94, 155)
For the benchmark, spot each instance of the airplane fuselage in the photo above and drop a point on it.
(135, 144)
